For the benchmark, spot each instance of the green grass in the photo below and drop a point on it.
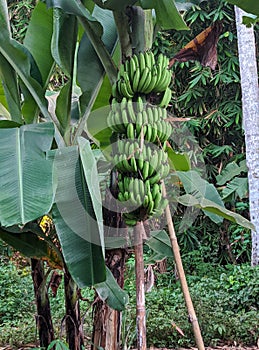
(226, 300)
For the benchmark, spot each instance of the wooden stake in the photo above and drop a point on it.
(140, 287)
(178, 262)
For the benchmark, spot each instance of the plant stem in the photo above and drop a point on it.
(121, 21)
(178, 262)
(139, 232)
(44, 320)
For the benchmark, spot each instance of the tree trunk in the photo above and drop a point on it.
(139, 233)
(250, 107)
(74, 329)
(107, 322)
(43, 318)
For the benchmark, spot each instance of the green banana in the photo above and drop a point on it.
(148, 59)
(150, 207)
(157, 200)
(126, 165)
(139, 104)
(150, 86)
(142, 62)
(130, 131)
(121, 197)
(149, 133)
(124, 89)
(132, 68)
(134, 164)
(131, 111)
(120, 186)
(145, 170)
(141, 188)
(147, 82)
(154, 179)
(144, 76)
(136, 79)
(139, 123)
(128, 83)
(155, 190)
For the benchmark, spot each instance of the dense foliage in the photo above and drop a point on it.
(210, 101)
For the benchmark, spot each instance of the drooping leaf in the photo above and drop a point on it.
(238, 185)
(26, 174)
(249, 6)
(160, 243)
(38, 39)
(212, 207)
(201, 189)
(77, 225)
(203, 48)
(110, 292)
(32, 245)
(230, 171)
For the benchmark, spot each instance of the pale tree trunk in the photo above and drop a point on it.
(250, 107)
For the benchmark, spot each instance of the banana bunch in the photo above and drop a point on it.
(142, 131)
(142, 74)
(149, 163)
(142, 197)
(136, 119)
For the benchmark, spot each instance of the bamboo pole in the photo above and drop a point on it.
(178, 262)
(140, 286)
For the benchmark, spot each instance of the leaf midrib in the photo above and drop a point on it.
(20, 173)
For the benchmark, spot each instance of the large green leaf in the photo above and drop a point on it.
(38, 42)
(26, 175)
(250, 6)
(63, 48)
(90, 71)
(200, 188)
(160, 243)
(93, 186)
(38, 39)
(212, 207)
(77, 225)
(110, 292)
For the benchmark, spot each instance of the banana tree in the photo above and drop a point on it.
(55, 171)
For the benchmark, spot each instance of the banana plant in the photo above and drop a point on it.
(48, 167)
